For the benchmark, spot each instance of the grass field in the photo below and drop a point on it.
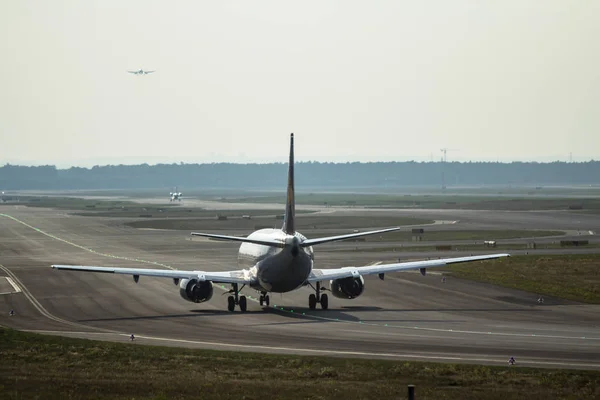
(431, 235)
(181, 212)
(131, 209)
(572, 277)
(342, 224)
(47, 367)
(501, 248)
(437, 201)
(513, 202)
(79, 204)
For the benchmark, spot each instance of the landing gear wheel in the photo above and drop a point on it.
(312, 301)
(243, 303)
(324, 301)
(267, 300)
(261, 300)
(230, 303)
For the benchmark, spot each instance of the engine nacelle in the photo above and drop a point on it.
(347, 288)
(195, 291)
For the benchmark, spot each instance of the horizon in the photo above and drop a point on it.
(300, 161)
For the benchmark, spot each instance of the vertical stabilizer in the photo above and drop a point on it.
(290, 204)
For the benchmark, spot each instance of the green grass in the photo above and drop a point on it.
(180, 212)
(448, 235)
(571, 277)
(47, 367)
(131, 209)
(501, 248)
(341, 224)
(513, 202)
(75, 204)
(441, 200)
(464, 235)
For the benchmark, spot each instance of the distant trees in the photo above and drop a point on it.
(313, 174)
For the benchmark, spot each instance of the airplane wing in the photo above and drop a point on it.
(148, 72)
(133, 72)
(318, 275)
(239, 276)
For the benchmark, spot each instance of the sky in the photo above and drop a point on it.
(354, 80)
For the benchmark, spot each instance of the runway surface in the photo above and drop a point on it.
(407, 316)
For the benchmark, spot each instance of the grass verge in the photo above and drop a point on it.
(47, 367)
(571, 277)
(304, 222)
(514, 202)
(431, 235)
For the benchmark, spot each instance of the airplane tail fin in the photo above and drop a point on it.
(290, 204)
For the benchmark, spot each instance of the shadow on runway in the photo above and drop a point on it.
(342, 314)
(314, 316)
(192, 314)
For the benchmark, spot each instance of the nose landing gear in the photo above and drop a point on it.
(317, 297)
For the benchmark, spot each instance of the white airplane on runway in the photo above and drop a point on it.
(140, 72)
(279, 261)
(175, 195)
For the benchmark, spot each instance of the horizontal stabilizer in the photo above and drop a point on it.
(312, 242)
(264, 242)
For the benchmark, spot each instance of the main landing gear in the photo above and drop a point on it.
(264, 299)
(317, 297)
(236, 299)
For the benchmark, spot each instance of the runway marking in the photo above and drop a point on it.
(83, 247)
(289, 310)
(41, 308)
(14, 285)
(335, 352)
(418, 328)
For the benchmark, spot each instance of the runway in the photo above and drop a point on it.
(407, 316)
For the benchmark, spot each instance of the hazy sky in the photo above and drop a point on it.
(355, 81)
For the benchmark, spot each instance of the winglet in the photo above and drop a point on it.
(290, 204)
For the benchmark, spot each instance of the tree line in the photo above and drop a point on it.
(308, 174)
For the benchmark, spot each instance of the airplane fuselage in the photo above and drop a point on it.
(277, 269)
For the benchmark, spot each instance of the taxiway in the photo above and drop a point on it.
(406, 316)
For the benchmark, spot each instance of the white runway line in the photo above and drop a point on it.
(14, 285)
(442, 357)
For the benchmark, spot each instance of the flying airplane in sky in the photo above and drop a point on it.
(175, 195)
(279, 261)
(140, 72)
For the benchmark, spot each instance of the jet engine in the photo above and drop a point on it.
(347, 288)
(196, 291)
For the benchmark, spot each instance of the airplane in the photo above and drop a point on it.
(280, 261)
(140, 72)
(175, 195)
